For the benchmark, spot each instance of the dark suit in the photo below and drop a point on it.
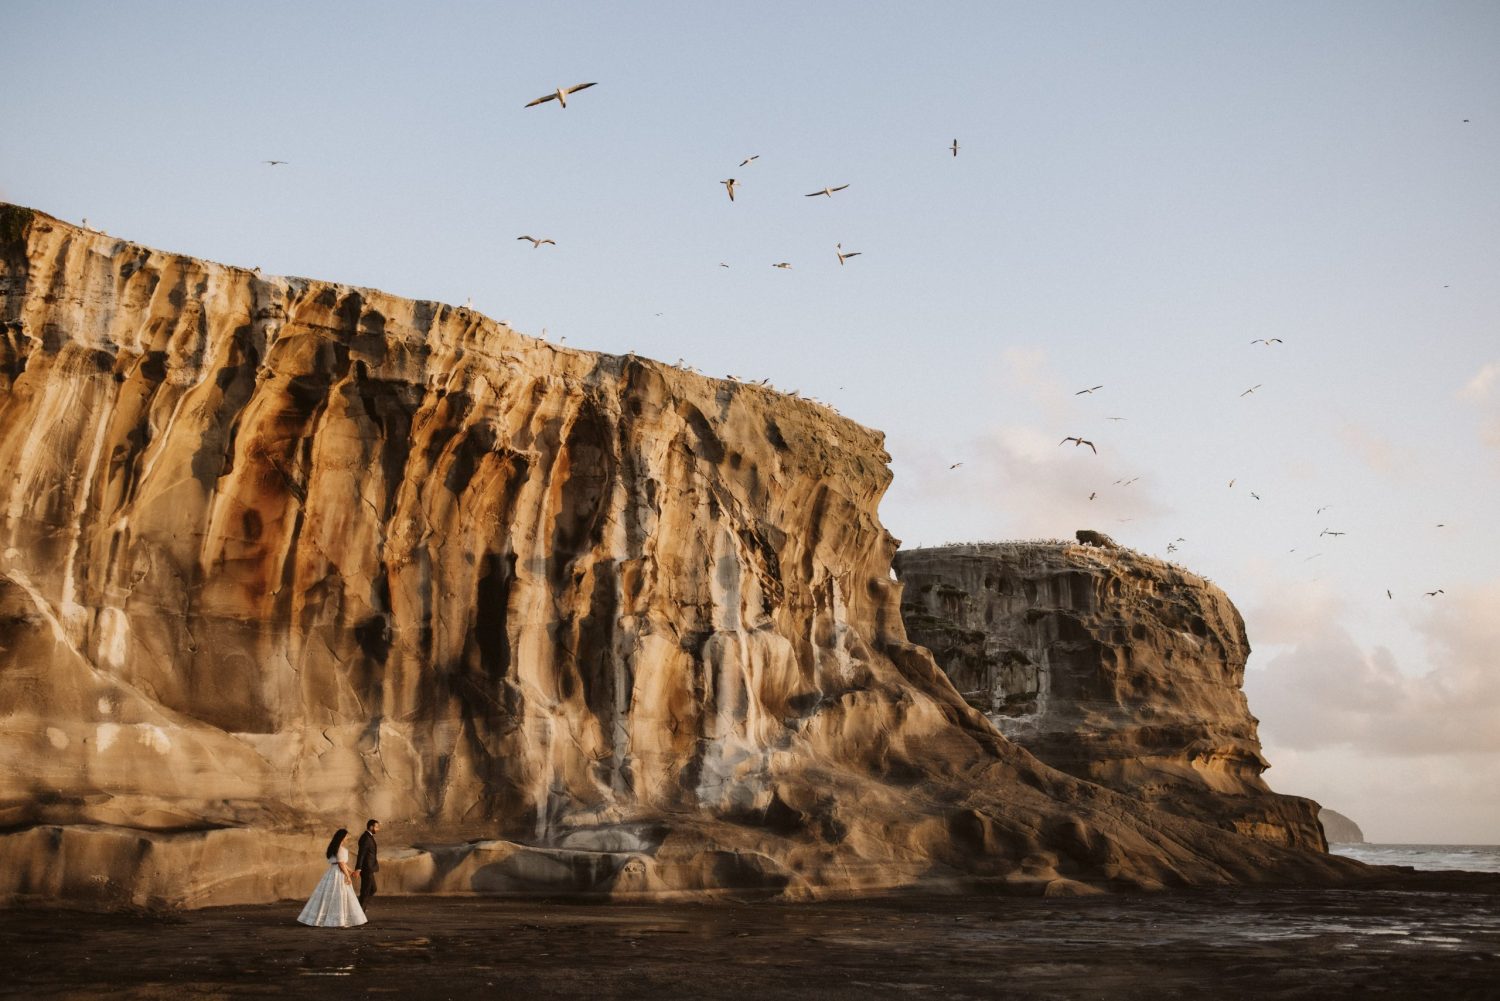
(367, 864)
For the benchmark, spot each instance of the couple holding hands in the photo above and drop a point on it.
(333, 903)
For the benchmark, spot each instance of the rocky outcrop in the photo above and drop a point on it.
(1109, 665)
(1339, 829)
(278, 554)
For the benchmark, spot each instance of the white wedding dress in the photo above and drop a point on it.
(333, 903)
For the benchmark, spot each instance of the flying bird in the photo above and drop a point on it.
(535, 242)
(273, 163)
(723, 265)
(1116, 418)
(1079, 441)
(749, 158)
(1267, 341)
(955, 465)
(954, 147)
(827, 191)
(1328, 531)
(560, 95)
(1325, 507)
(1433, 594)
(1255, 495)
(1388, 593)
(1093, 494)
(783, 264)
(1252, 389)
(729, 186)
(1089, 390)
(843, 256)
(1231, 482)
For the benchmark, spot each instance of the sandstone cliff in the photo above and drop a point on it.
(278, 554)
(1109, 665)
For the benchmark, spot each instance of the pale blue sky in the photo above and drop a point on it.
(1142, 188)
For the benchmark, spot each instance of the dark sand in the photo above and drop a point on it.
(1419, 940)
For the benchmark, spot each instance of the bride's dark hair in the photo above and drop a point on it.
(338, 838)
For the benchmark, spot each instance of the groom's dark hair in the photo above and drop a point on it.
(370, 823)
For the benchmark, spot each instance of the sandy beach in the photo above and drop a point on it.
(1416, 936)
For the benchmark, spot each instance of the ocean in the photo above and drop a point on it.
(1470, 858)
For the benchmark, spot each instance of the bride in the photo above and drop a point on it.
(333, 903)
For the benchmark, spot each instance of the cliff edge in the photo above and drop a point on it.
(277, 555)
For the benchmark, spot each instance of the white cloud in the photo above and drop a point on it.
(1489, 432)
(1479, 386)
(1479, 391)
(1411, 757)
(1325, 690)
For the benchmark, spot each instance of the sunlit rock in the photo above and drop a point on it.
(278, 555)
(1110, 665)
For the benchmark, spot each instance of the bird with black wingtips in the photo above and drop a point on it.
(537, 241)
(1251, 389)
(1267, 341)
(954, 147)
(747, 159)
(843, 254)
(560, 95)
(729, 186)
(1079, 441)
(1082, 392)
(826, 191)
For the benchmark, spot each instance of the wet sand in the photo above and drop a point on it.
(1418, 940)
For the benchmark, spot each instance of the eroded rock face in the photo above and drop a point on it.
(278, 555)
(1109, 665)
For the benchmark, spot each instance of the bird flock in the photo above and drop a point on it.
(1078, 441)
(731, 184)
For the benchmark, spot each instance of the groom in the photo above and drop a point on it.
(366, 863)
